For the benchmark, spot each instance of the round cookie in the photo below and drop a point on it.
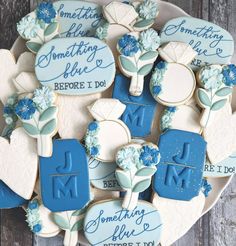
(184, 117)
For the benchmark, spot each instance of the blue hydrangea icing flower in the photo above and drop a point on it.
(166, 118)
(46, 12)
(157, 78)
(91, 140)
(33, 216)
(149, 40)
(229, 73)
(150, 156)
(43, 97)
(211, 77)
(127, 158)
(148, 9)
(128, 45)
(28, 27)
(25, 108)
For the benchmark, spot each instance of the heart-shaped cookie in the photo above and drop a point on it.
(220, 136)
(177, 216)
(10, 69)
(19, 163)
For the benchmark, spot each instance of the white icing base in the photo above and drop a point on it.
(187, 119)
(177, 86)
(111, 136)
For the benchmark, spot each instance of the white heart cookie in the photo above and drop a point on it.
(220, 136)
(10, 69)
(177, 216)
(19, 163)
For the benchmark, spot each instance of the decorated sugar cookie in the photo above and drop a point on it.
(177, 216)
(64, 177)
(75, 66)
(78, 18)
(39, 219)
(220, 136)
(180, 171)
(119, 18)
(140, 111)
(19, 163)
(39, 27)
(38, 115)
(10, 68)
(107, 223)
(137, 164)
(102, 175)
(8, 198)
(105, 135)
(138, 52)
(184, 117)
(223, 168)
(217, 83)
(71, 222)
(213, 44)
(173, 74)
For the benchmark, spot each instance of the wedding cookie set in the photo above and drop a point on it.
(112, 127)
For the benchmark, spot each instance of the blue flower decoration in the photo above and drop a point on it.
(156, 89)
(161, 65)
(8, 110)
(94, 151)
(171, 109)
(206, 187)
(229, 73)
(128, 45)
(33, 204)
(149, 156)
(93, 126)
(37, 228)
(25, 108)
(46, 12)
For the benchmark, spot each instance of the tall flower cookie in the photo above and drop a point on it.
(137, 164)
(107, 133)
(172, 74)
(38, 115)
(216, 82)
(39, 27)
(138, 52)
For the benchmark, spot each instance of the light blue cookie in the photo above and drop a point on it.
(107, 223)
(213, 44)
(75, 66)
(78, 18)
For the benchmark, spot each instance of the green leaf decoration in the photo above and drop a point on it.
(49, 127)
(218, 105)
(42, 24)
(127, 64)
(51, 29)
(144, 23)
(148, 55)
(145, 70)
(203, 98)
(30, 129)
(123, 180)
(78, 225)
(225, 91)
(33, 46)
(79, 212)
(60, 221)
(146, 171)
(48, 113)
(142, 185)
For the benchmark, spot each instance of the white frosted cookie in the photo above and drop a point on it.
(173, 82)
(177, 216)
(184, 117)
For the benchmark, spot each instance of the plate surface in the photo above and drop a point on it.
(167, 11)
